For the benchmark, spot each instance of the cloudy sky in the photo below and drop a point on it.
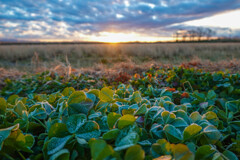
(114, 20)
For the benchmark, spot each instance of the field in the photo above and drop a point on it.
(28, 57)
(120, 101)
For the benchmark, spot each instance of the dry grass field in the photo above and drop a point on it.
(110, 59)
(28, 57)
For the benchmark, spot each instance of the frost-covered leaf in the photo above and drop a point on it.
(173, 134)
(106, 94)
(61, 155)
(88, 130)
(136, 97)
(100, 149)
(55, 144)
(212, 133)
(127, 141)
(167, 117)
(74, 122)
(5, 132)
(204, 152)
(68, 91)
(19, 108)
(190, 131)
(182, 152)
(126, 120)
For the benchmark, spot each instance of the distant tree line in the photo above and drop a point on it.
(197, 34)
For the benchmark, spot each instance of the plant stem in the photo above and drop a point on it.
(39, 122)
(21, 155)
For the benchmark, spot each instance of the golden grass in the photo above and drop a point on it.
(32, 57)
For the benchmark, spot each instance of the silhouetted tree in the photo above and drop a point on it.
(209, 33)
(192, 34)
(200, 33)
(184, 36)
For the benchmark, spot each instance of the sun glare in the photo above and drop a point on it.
(113, 37)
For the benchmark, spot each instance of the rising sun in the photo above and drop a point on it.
(116, 37)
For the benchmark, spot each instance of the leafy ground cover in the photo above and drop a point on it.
(174, 113)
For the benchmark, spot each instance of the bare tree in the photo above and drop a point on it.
(192, 34)
(176, 35)
(184, 36)
(209, 33)
(200, 33)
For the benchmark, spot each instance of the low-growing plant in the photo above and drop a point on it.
(174, 113)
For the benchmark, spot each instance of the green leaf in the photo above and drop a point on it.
(100, 149)
(63, 154)
(165, 92)
(190, 131)
(212, 133)
(41, 97)
(39, 113)
(141, 111)
(128, 111)
(19, 108)
(126, 120)
(29, 140)
(179, 123)
(211, 117)
(169, 106)
(173, 134)
(5, 132)
(183, 115)
(12, 99)
(235, 125)
(24, 142)
(58, 130)
(112, 119)
(55, 144)
(195, 117)
(136, 97)
(211, 95)
(230, 155)
(182, 152)
(101, 106)
(106, 94)
(74, 122)
(204, 153)
(3, 105)
(135, 152)
(79, 103)
(233, 106)
(68, 91)
(168, 117)
(76, 98)
(162, 147)
(89, 130)
(200, 96)
(91, 97)
(127, 141)
(111, 135)
(96, 92)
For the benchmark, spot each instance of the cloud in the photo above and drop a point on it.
(36, 19)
